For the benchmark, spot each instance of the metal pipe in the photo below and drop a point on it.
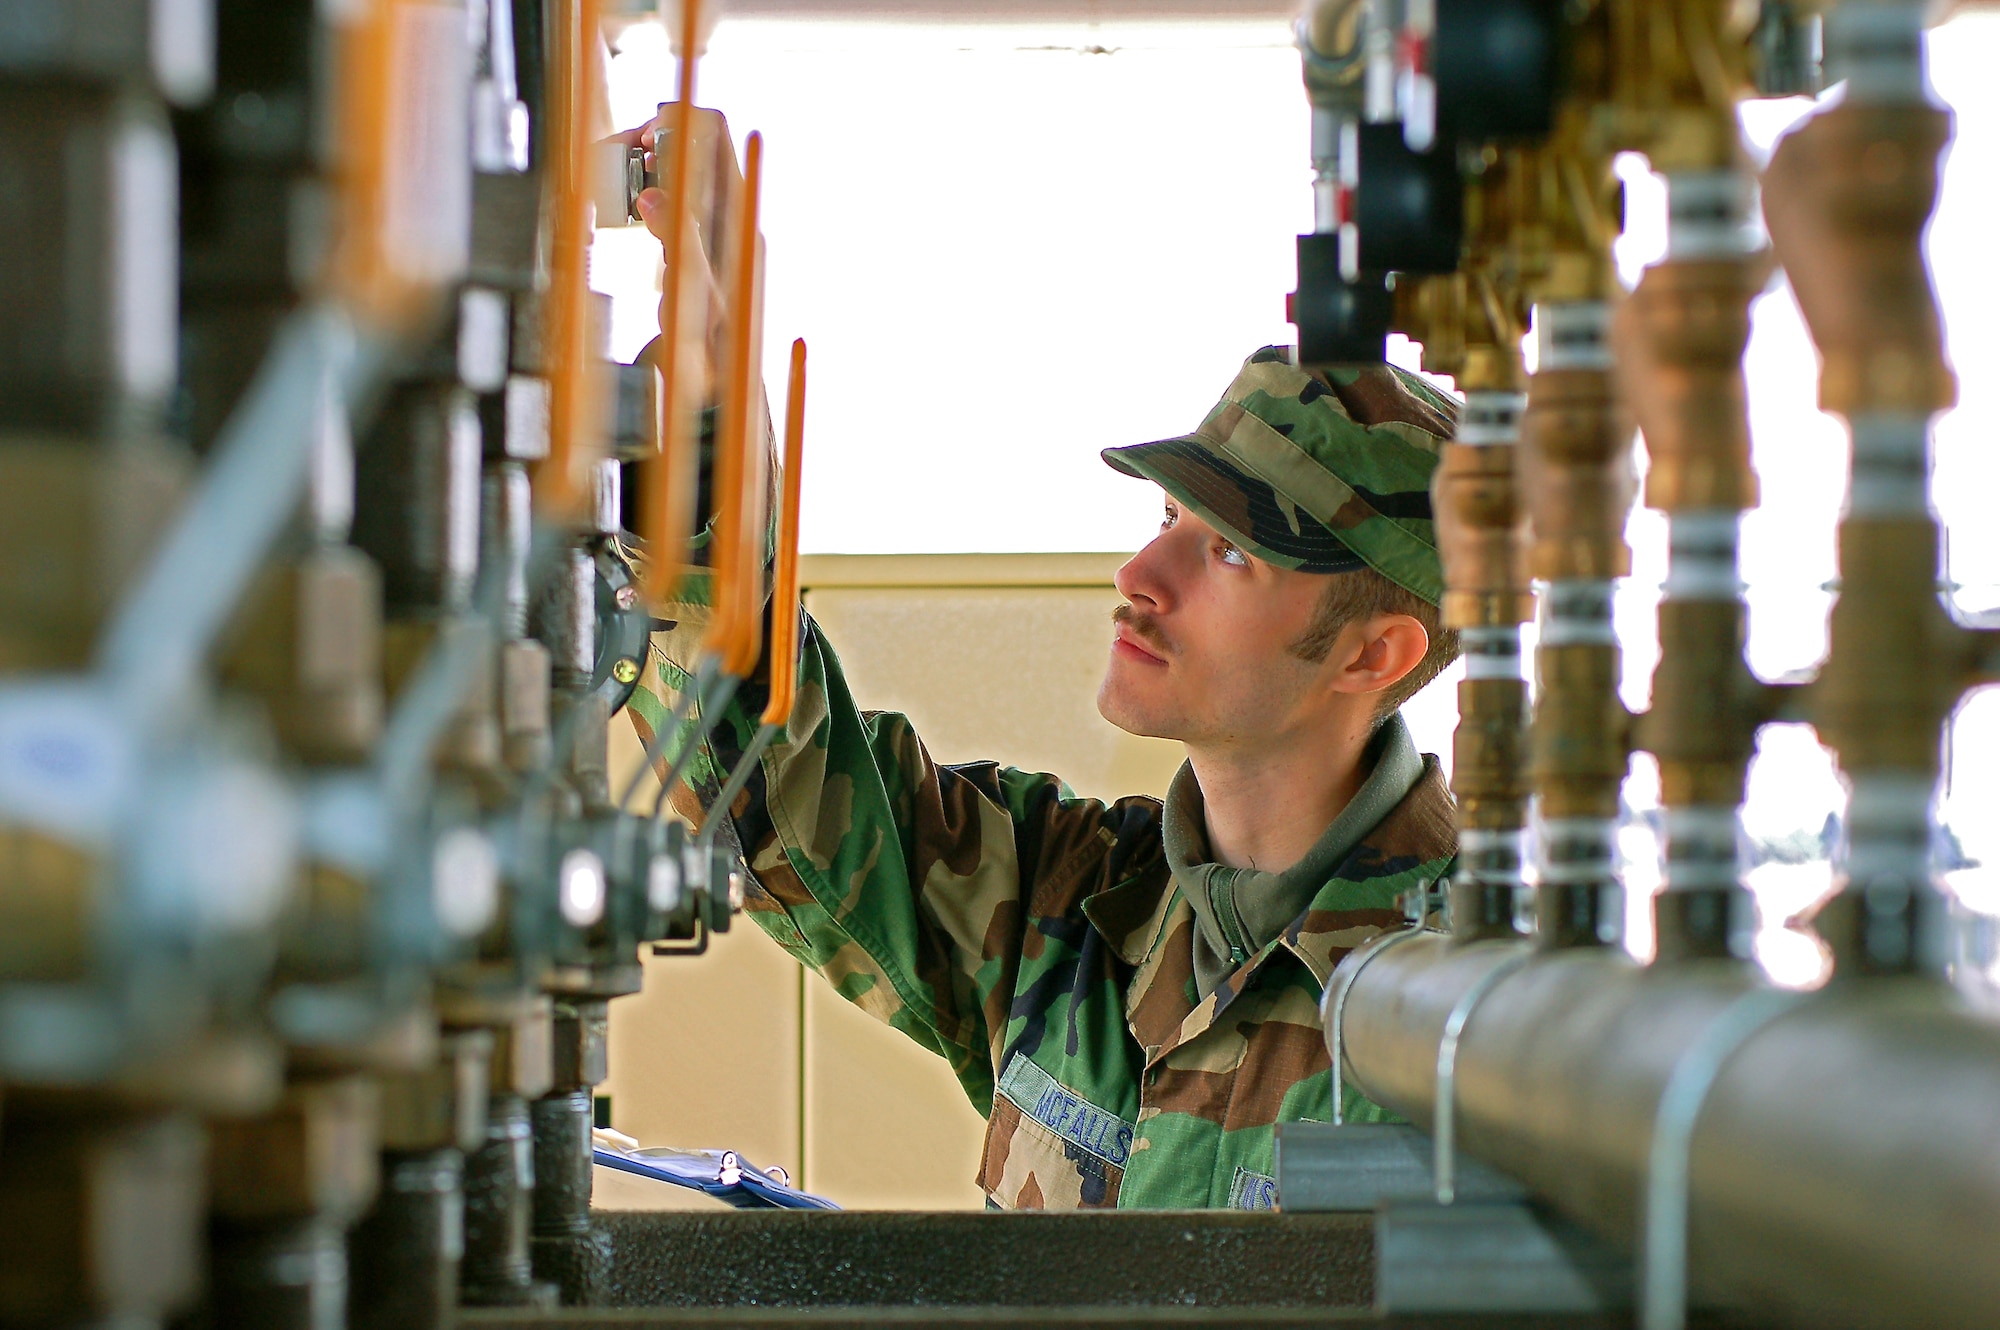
(162, 633)
(1578, 465)
(1842, 1166)
(1482, 543)
(1681, 337)
(497, 1268)
(1847, 198)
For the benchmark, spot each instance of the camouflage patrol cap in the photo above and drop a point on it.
(1323, 472)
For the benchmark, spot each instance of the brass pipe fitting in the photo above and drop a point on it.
(1482, 541)
(1681, 338)
(1577, 748)
(311, 647)
(1846, 198)
(1577, 460)
(1481, 530)
(1577, 464)
(1332, 27)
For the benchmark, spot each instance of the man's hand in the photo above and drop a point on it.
(651, 202)
(703, 311)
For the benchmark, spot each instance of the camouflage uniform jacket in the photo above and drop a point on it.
(1038, 942)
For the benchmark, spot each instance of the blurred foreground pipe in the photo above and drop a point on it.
(1681, 336)
(1845, 1166)
(1847, 197)
(1332, 27)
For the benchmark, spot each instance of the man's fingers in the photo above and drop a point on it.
(652, 205)
(642, 137)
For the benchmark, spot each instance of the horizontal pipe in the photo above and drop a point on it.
(1845, 1167)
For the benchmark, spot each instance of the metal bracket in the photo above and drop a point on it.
(1664, 1241)
(1353, 1168)
(1334, 1045)
(1492, 1258)
(1444, 1125)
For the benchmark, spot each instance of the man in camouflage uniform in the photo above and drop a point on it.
(1130, 991)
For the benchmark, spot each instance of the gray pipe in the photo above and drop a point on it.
(1844, 1168)
(157, 642)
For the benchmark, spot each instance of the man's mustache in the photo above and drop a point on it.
(1143, 627)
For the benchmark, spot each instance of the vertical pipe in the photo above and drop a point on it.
(404, 1256)
(1577, 458)
(497, 1269)
(1847, 198)
(1480, 530)
(1681, 337)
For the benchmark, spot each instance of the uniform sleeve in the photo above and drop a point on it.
(906, 883)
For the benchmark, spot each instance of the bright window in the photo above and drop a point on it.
(1010, 247)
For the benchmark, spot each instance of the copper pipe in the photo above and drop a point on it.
(1482, 541)
(1576, 458)
(1681, 338)
(1847, 197)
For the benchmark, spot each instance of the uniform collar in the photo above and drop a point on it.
(1240, 912)
(1150, 925)
(1420, 833)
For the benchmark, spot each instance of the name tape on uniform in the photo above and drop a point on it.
(1067, 1113)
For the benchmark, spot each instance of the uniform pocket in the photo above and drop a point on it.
(1048, 1147)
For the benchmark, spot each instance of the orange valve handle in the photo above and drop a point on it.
(365, 47)
(384, 264)
(785, 588)
(736, 632)
(574, 403)
(669, 497)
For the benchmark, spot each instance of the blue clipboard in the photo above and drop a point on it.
(723, 1174)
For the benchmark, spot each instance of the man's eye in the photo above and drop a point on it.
(1231, 555)
(1168, 518)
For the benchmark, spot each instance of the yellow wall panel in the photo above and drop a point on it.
(991, 657)
(707, 1054)
(887, 1127)
(1004, 672)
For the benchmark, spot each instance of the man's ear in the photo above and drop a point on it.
(1373, 653)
